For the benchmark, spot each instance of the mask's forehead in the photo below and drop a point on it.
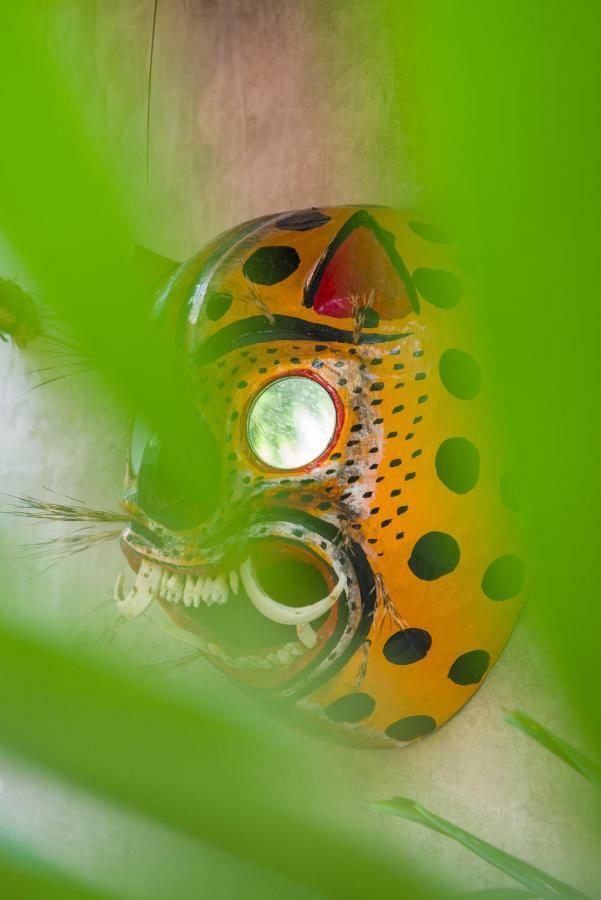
(334, 274)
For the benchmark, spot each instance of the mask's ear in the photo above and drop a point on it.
(360, 262)
(19, 319)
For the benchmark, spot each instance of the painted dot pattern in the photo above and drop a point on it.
(303, 220)
(458, 464)
(434, 555)
(407, 646)
(410, 728)
(460, 374)
(470, 667)
(217, 306)
(350, 708)
(504, 578)
(440, 288)
(270, 265)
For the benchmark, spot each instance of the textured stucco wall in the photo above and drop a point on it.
(253, 109)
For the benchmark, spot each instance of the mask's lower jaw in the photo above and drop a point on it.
(281, 614)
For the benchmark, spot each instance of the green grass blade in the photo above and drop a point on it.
(531, 877)
(574, 758)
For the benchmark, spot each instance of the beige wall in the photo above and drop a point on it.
(253, 110)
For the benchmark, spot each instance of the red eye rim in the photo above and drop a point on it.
(338, 406)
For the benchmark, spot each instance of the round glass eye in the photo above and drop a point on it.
(291, 422)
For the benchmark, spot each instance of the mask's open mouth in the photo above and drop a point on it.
(276, 616)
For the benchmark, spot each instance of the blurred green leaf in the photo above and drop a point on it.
(569, 754)
(218, 771)
(24, 877)
(502, 894)
(531, 877)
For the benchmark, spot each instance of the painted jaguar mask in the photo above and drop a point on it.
(359, 568)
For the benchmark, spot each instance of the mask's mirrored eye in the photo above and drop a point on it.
(291, 422)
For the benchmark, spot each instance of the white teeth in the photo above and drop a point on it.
(221, 590)
(174, 588)
(144, 591)
(196, 594)
(288, 615)
(306, 635)
(234, 580)
(189, 590)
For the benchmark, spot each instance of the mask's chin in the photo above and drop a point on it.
(272, 619)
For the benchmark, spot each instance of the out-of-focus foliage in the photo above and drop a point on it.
(570, 755)
(503, 127)
(539, 883)
(503, 123)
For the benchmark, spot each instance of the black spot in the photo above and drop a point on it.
(395, 493)
(407, 647)
(428, 232)
(269, 265)
(504, 578)
(411, 727)
(399, 408)
(440, 288)
(377, 386)
(371, 318)
(395, 462)
(435, 554)
(469, 668)
(303, 220)
(218, 305)
(385, 523)
(458, 464)
(350, 708)
(401, 510)
(460, 374)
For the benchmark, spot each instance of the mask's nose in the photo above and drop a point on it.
(180, 487)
